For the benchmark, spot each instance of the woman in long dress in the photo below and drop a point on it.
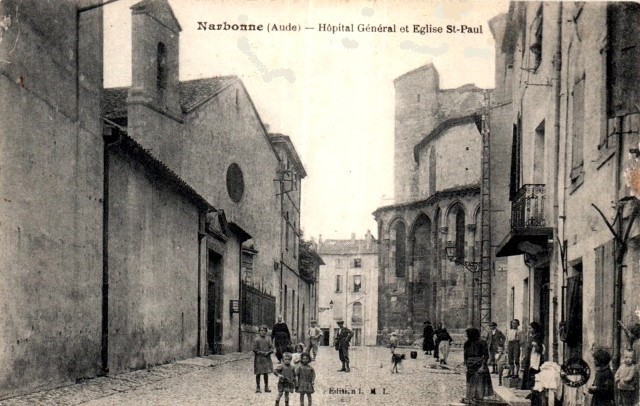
(262, 364)
(427, 343)
(533, 355)
(476, 356)
(281, 338)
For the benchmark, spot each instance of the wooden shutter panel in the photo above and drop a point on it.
(597, 294)
(604, 294)
(608, 283)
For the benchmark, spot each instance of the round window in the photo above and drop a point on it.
(235, 182)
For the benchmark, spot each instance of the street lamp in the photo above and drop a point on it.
(324, 309)
(470, 266)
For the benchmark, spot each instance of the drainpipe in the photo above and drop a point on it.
(557, 69)
(619, 257)
(240, 298)
(107, 135)
(199, 303)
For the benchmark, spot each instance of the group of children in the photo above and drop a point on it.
(619, 389)
(294, 373)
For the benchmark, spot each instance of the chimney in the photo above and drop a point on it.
(353, 237)
(368, 238)
(320, 239)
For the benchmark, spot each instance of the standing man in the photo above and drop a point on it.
(314, 337)
(495, 339)
(513, 348)
(341, 343)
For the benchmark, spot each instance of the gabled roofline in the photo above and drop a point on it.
(232, 80)
(285, 140)
(265, 132)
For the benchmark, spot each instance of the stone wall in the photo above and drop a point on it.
(50, 196)
(153, 269)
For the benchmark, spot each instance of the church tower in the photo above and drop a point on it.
(155, 58)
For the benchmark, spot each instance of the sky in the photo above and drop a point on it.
(332, 93)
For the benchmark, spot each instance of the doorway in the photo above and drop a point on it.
(357, 336)
(573, 312)
(542, 286)
(325, 336)
(214, 304)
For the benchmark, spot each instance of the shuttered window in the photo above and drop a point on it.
(577, 155)
(623, 58)
(603, 295)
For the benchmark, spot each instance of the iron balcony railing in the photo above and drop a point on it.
(527, 207)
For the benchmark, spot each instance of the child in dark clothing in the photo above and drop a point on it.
(602, 389)
(286, 378)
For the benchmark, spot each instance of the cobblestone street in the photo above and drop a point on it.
(231, 381)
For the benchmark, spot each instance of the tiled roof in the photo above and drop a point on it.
(346, 247)
(192, 94)
(144, 156)
(195, 92)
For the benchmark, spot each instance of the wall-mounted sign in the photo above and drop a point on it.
(575, 372)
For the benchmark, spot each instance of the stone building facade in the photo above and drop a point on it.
(51, 183)
(295, 288)
(568, 73)
(348, 288)
(149, 231)
(437, 203)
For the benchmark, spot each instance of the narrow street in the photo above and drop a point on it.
(193, 382)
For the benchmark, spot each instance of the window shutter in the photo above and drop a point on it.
(604, 294)
(608, 294)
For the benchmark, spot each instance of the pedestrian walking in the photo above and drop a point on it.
(427, 342)
(341, 342)
(495, 339)
(513, 348)
(315, 334)
(286, 378)
(476, 357)
(443, 344)
(533, 355)
(281, 338)
(262, 364)
(602, 390)
(306, 377)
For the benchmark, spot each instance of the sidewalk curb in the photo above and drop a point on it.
(104, 386)
(510, 396)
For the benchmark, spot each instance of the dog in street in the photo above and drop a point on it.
(396, 360)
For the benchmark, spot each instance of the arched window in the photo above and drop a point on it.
(421, 247)
(432, 171)
(400, 245)
(161, 61)
(459, 234)
(356, 315)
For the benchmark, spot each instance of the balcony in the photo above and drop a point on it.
(529, 231)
